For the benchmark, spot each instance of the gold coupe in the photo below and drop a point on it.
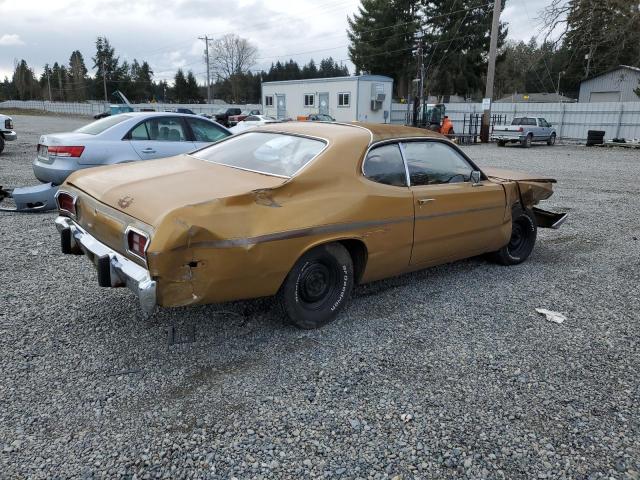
(301, 210)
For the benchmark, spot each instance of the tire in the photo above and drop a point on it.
(523, 238)
(501, 143)
(526, 143)
(1, 143)
(552, 139)
(318, 286)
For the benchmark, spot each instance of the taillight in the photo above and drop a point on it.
(66, 151)
(521, 129)
(137, 242)
(66, 202)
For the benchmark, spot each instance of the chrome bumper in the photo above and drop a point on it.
(114, 270)
(9, 135)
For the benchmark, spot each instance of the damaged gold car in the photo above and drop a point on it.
(299, 210)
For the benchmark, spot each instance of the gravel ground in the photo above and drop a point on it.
(447, 372)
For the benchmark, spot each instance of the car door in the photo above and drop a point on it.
(545, 128)
(205, 133)
(390, 206)
(454, 218)
(159, 137)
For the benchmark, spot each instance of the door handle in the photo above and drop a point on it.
(424, 201)
(148, 150)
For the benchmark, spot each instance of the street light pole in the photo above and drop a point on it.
(491, 72)
(206, 53)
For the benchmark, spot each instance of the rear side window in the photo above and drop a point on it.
(204, 131)
(99, 126)
(385, 165)
(269, 153)
(166, 129)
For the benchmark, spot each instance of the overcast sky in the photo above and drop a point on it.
(164, 32)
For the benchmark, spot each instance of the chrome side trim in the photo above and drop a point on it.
(122, 271)
(458, 212)
(298, 233)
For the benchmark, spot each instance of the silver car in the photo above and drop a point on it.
(126, 137)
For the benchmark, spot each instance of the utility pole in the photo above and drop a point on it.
(206, 56)
(49, 85)
(104, 80)
(491, 72)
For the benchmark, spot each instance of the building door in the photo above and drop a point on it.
(281, 107)
(323, 103)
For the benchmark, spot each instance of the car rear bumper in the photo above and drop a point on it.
(57, 171)
(507, 137)
(9, 135)
(114, 270)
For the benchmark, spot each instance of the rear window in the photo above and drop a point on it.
(270, 153)
(101, 125)
(523, 121)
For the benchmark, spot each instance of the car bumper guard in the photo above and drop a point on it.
(114, 270)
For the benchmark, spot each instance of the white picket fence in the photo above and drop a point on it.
(571, 120)
(93, 108)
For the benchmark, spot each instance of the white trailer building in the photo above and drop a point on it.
(365, 98)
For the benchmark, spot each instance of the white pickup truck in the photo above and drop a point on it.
(6, 131)
(525, 130)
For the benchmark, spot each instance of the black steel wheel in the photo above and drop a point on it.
(318, 286)
(523, 238)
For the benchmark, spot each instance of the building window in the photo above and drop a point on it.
(268, 101)
(344, 99)
(308, 99)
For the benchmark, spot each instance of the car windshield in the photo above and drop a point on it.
(270, 153)
(99, 126)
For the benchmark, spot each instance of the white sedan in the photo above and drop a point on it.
(252, 121)
(126, 137)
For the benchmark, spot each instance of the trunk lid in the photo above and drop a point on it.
(149, 190)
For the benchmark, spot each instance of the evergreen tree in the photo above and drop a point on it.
(381, 37)
(180, 87)
(107, 66)
(24, 82)
(310, 70)
(192, 90)
(77, 77)
(456, 42)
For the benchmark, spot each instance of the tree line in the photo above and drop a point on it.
(579, 39)
(238, 83)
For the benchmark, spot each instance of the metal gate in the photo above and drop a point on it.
(323, 103)
(281, 107)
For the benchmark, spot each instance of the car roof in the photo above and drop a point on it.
(331, 130)
(158, 114)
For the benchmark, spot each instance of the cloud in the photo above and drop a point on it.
(8, 39)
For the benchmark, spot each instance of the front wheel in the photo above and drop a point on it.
(552, 139)
(526, 142)
(317, 286)
(523, 238)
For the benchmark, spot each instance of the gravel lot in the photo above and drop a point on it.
(448, 372)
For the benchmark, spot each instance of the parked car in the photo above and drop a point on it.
(122, 138)
(301, 210)
(525, 130)
(186, 110)
(320, 117)
(223, 117)
(252, 121)
(7, 134)
(234, 119)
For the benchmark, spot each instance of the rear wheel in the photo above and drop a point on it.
(317, 286)
(552, 139)
(526, 142)
(523, 238)
(501, 143)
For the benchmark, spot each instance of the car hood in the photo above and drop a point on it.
(149, 190)
(503, 174)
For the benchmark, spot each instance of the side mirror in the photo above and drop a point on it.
(475, 177)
